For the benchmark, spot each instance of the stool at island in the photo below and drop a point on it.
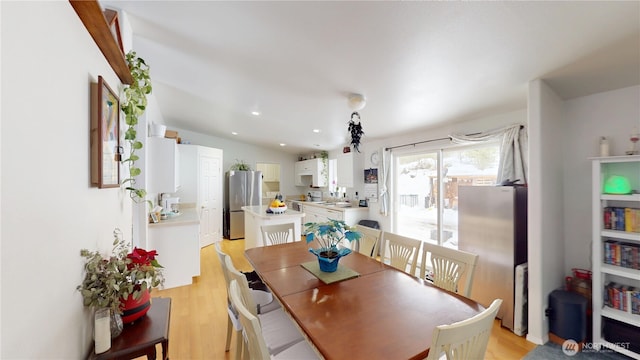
(141, 337)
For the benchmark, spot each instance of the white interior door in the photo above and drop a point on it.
(210, 196)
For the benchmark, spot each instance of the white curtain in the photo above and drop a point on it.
(384, 186)
(514, 145)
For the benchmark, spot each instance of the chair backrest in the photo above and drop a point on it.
(401, 251)
(243, 286)
(222, 256)
(277, 234)
(466, 339)
(449, 266)
(254, 341)
(368, 242)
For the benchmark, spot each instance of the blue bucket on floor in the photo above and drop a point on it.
(568, 315)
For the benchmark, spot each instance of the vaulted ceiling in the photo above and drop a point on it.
(418, 64)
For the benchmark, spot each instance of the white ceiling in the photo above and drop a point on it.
(419, 64)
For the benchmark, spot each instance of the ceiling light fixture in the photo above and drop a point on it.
(316, 130)
(357, 102)
(283, 144)
(255, 113)
(234, 133)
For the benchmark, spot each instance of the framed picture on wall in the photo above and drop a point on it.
(370, 176)
(105, 136)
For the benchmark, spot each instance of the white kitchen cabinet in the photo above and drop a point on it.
(270, 172)
(201, 172)
(176, 241)
(163, 164)
(352, 216)
(349, 169)
(321, 213)
(312, 172)
(608, 266)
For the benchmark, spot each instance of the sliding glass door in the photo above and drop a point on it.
(426, 189)
(416, 195)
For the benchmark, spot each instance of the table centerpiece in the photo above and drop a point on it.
(329, 235)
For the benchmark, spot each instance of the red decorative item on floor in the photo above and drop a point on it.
(133, 309)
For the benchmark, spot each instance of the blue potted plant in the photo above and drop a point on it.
(328, 235)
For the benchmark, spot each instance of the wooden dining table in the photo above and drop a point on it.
(383, 313)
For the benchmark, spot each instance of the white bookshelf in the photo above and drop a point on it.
(602, 168)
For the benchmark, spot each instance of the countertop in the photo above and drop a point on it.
(187, 216)
(333, 207)
(261, 212)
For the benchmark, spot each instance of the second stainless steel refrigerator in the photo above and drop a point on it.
(243, 188)
(492, 222)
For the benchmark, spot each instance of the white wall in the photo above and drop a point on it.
(49, 209)
(250, 154)
(563, 135)
(545, 213)
(612, 114)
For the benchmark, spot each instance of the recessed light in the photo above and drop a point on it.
(255, 113)
(234, 133)
(316, 130)
(282, 144)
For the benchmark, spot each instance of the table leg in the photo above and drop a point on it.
(151, 355)
(165, 350)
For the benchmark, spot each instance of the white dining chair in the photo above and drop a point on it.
(449, 266)
(368, 242)
(263, 299)
(233, 323)
(255, 344)
(466, 339)
(277, 234)
(401, 251)
(278, 329)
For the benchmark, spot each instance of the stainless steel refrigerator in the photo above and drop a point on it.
(492, 222)
(243, 188)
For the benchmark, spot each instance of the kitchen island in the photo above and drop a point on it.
(256, 216)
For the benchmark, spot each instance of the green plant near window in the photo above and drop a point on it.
(324, 155)
(133, 106)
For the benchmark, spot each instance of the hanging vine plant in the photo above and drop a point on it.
(355, 128)
(133, 106)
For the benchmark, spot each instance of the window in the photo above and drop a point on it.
(426, 189)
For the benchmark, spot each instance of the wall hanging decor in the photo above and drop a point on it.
(355, 128)
(105, 136)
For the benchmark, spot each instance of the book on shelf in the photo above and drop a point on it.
(622, 254)
(621, 219)
(616, 295)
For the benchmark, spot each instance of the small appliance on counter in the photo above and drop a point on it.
(314, 196)
(171, 205)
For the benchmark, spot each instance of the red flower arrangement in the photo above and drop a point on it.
(141, 257)
(123, 275)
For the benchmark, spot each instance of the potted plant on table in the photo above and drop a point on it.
(120, 281)
(329, 234)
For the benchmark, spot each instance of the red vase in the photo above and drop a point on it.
(133, 309)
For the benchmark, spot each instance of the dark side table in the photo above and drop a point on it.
(141, 337)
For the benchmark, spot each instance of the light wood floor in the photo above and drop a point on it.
(199, 317)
